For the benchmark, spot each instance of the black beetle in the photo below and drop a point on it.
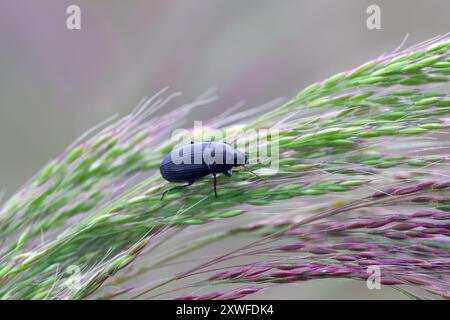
(197, 160)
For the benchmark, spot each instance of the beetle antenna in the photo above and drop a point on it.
(249, 170)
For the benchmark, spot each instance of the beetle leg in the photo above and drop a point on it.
(176, 187)
(228, 173)
(215, 184)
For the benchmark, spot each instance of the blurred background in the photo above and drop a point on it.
(56, 83)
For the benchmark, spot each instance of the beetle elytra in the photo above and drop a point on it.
(198, 159)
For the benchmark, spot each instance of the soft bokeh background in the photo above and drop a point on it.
(56, 83)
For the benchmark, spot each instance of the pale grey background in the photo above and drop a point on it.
(56, 83)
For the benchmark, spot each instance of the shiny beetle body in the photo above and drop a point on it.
(197, 160)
